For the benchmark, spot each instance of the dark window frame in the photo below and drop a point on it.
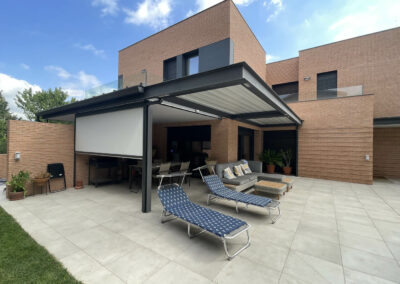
(186, 61)
(167, 76)
(120, 81)
(280, 89)
(327, 85)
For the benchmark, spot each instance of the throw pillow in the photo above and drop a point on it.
(246, 169)
(228, 173)
(238, 171)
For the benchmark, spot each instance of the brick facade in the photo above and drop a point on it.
(3, 165)
(224, 138)
(335, 137)
(211, 25)
(40, 144)
(372, 61)
(246, 46)
(387, 152)
(282, 71)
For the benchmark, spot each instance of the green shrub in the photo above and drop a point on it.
(18, 181)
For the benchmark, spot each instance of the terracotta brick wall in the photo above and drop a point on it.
(211, 25)
(246, 46)
(224, 138)
(82, 168)
(387, 152)
(3, 165)
(207, 27)
(372, 61)
(282, 71)
(41, 144)
(335, 137)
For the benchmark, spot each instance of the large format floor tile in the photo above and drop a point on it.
(329, 232)
(382, 267)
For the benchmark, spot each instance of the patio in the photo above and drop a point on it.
(329, 232)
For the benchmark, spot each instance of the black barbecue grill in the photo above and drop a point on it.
(56, 171)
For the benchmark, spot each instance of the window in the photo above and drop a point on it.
(192, 63)
(120, 82)
(170, 69)
(288, 92)
(327, 85)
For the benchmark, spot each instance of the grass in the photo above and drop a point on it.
(22, 260)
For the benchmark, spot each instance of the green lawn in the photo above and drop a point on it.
(22, 260)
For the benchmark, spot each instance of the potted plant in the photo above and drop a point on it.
(271, 158)
(287, 161)
(41, 179)
(16, 186)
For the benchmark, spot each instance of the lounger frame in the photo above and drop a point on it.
(167, 216)
(272, 205)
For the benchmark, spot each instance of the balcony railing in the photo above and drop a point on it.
(290, 98)
(102, 89)
(349, 91)
(143, 77)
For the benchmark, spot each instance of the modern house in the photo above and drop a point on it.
(202, 86)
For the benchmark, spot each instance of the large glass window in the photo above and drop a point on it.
(192, 64)
(120, 82)
(327, 85)
(288, 92)
(170, 69)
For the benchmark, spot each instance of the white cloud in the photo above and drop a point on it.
(75, 84)
(276, 6)
(61, 72)
(25, 66)
(87, 80)
(75, 93)
(243, 2)
(204, 4)
(364, 19)
(109, 7)
(271, 58)
(91, 48)
(154, 13)
(10, 87)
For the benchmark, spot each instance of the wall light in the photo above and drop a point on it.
(17, 156)
(307, 78)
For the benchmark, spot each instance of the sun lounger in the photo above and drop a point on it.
(218, 190)
(177, 204)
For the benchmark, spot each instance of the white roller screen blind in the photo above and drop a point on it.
(112, 133)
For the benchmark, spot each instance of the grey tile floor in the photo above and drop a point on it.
(329, 232)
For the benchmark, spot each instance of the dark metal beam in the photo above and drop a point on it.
(147, 158)
(387, 121)
(262, 114)
(259, 87)
(278, 125)
(192, 105)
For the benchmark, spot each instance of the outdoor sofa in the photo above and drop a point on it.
(177, 204)
(249, 180)
(218, 190)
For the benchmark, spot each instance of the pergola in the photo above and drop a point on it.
(234, 92)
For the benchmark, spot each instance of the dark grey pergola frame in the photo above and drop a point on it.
(170, 92)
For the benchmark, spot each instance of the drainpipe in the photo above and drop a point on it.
(144, 71)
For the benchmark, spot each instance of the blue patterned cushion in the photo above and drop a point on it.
(177, 203)
(217, 188)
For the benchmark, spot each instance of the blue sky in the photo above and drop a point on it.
(74, 43)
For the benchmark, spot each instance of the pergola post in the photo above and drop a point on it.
(147, 158)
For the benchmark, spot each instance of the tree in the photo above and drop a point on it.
(32, 103)
(5, 115)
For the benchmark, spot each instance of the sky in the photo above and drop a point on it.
(74, 44)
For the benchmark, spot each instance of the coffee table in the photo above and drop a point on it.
(271, 187)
